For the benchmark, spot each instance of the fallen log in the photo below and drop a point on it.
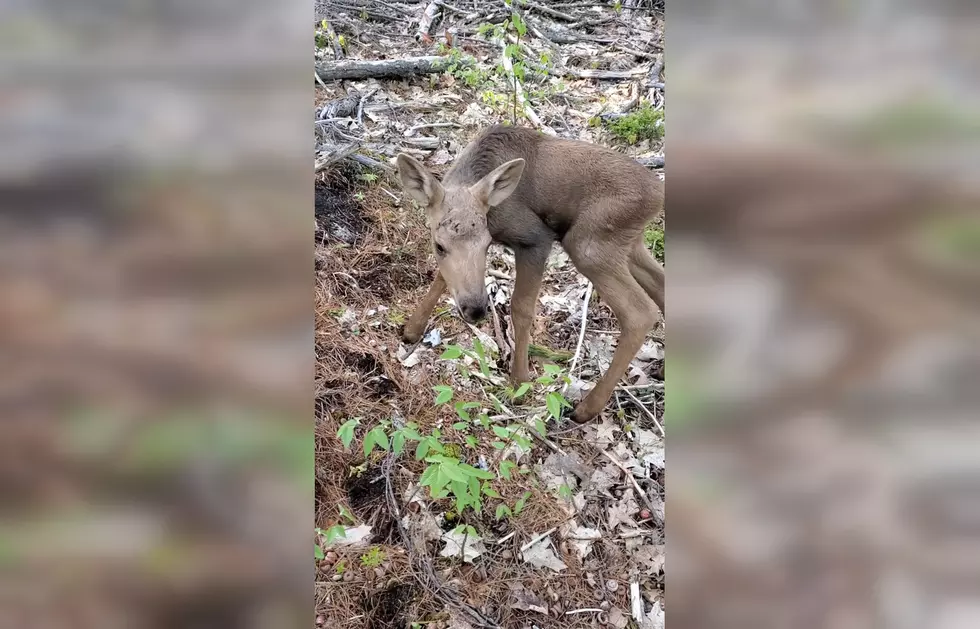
(357, 69)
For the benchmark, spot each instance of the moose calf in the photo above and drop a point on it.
(526, 190)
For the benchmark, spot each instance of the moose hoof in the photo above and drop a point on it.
(410, 337)
(580, 414)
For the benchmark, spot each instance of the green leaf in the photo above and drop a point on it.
(553, 400)
(552, 370)
(481, 354)
(521, 502)
(497, 404)
(422, 449)
(565, 491)
(474, 486)
(490, 491)
(540, 427)
(398, 442)
(503, 511)
(502, 432)
(545, 380)
(521, 390)
(376, 436)
(471, 441)
(369, 443)
(428, 476)
(484, 420)
(346, 431)
(452, 352)
(346, 514)
(505, 468)
(461, 411)
(500, 445)
(335, 532)
(453, 471)
(318, 552)
(475, 471)
(412, 432)
(445, 393)
(460, 426)
(512, 51)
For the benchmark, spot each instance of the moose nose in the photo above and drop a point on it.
(473, 313)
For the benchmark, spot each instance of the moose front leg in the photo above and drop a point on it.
(530, 264)
(415, 328)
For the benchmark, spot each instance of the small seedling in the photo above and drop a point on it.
(373, 558)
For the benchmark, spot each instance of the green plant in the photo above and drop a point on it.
(340, 567)
(654, 239)
(646, 123)
(373, 558)
(446, 475)
(346, 431)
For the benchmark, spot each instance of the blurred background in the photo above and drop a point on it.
(155, 237)
(823, 259)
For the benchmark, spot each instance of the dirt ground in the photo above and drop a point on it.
(571, 518)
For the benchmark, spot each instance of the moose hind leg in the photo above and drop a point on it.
(636, 313)
(648, 273)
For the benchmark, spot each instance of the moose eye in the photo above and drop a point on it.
(440, 250)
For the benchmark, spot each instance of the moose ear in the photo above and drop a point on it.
(418, 182)
(499, 184)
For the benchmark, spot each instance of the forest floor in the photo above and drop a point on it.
(542, 523)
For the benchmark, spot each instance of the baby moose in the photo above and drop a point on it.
(526, 190)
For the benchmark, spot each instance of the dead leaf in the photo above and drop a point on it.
(650, 558)
(604, 478)
(581, 539)
(354, 535)
(522, 598)
(617, 618)
(562, 469)
(622, 512)
(455, 544)
(542, 555)
(650, 447)
(655, 617)
(606, 431)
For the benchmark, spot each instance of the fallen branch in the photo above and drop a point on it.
(357, 69)
(540, 8)
(334, 155)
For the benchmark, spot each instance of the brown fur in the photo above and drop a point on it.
(526, 190)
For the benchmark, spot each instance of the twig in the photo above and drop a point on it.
(581, 333)
(636, 602)
(504, 539)
(551, 12)
(643, 408)
(584, 610)
(431, 125)
(500, 275)
(643, 495)
(538, 538)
